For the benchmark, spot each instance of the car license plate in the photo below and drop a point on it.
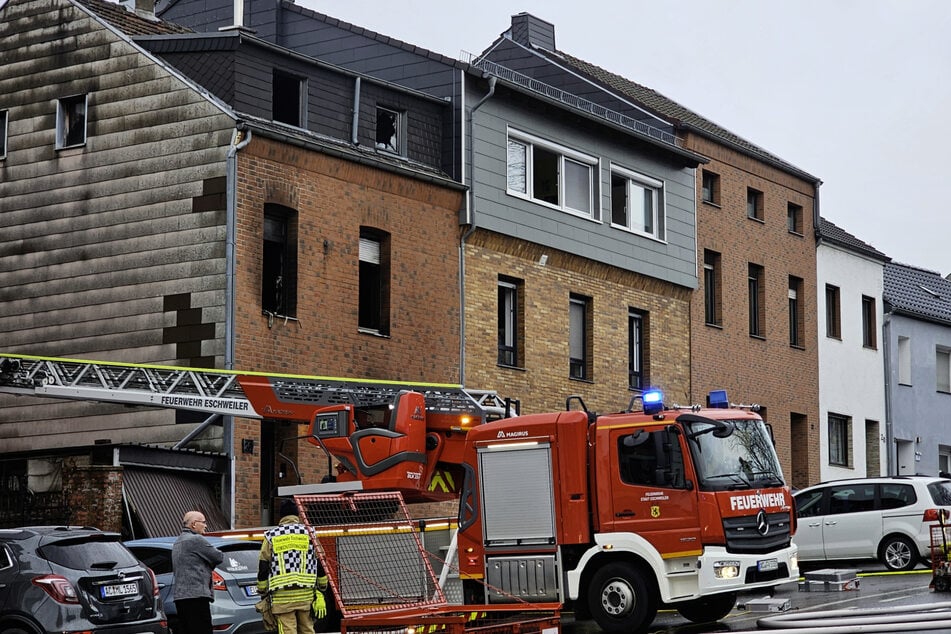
(119, 590)
(251, 591)
(767, 565)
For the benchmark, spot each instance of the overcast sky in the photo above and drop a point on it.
(854, 92)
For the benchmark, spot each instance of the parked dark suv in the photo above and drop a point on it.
(71, 579)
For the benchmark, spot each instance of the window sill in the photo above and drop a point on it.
(713, 325)
(580, 380)
(795, 346)
(760, 337)
(711, 204)
(511, 367)
(836, 337)
(372, 332)
(755, 219)
(798, 234)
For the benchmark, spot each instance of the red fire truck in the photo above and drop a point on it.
(613, 514)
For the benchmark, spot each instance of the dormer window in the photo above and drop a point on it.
(389, 130)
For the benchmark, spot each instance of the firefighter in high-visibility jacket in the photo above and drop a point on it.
(291, 576)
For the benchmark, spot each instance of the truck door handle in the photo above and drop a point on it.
(625, 514)
(816, 525)
(831, 523)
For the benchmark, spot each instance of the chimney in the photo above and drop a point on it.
(531, 31)
(142, 8)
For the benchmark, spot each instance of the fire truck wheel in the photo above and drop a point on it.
(898, 553)
(621, 599)
(707, 609)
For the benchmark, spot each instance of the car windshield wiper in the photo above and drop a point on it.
(739, 481)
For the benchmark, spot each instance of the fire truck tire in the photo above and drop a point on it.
(899, 553)
(707, 609)
(621, 598)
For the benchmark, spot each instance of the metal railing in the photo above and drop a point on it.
(573, 101)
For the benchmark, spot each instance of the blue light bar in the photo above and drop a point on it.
(718, 399)
(653, 401)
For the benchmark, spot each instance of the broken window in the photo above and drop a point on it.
(279, 262)
(71, 121)
(287, 98)
(388, 124)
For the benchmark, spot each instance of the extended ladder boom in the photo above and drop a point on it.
(231, 393)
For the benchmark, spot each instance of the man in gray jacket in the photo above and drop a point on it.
(193, 560)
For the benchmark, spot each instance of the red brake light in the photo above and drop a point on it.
(935, 515)
(59, 588)
(217, 581)
(155, 591)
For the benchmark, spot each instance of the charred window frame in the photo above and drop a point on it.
(390, 132)
(288, 98)
(579, 337)
(71, 121)
(374, 310)
(279, 261)
(510, 321)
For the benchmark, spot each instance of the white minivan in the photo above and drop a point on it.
(887, 518)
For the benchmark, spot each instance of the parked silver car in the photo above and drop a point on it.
(887, 518)
(234, 582)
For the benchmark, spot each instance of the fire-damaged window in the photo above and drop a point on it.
(71, 121)
(374, 313)
(389, 130)
(287, 98)
(651, 459)
(279, 261)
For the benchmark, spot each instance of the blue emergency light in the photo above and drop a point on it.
(718, 399)
(653, 401)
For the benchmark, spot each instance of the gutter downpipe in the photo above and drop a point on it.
(470, 215)
(891, 460)
(239, 139)
(355, 125)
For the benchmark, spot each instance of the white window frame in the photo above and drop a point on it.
(397, 139)
(904, 360)
(62, 120)
(529, 143)
(942, 369)
(642, 185)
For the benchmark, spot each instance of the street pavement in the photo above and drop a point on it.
(877, 590)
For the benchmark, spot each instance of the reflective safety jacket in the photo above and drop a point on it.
(290, 568)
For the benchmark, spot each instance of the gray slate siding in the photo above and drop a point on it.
(94, 239)
(673, 260)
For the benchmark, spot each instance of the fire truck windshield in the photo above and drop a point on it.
(733, 454)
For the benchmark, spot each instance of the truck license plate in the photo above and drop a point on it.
(119, 590)
(767, 565)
